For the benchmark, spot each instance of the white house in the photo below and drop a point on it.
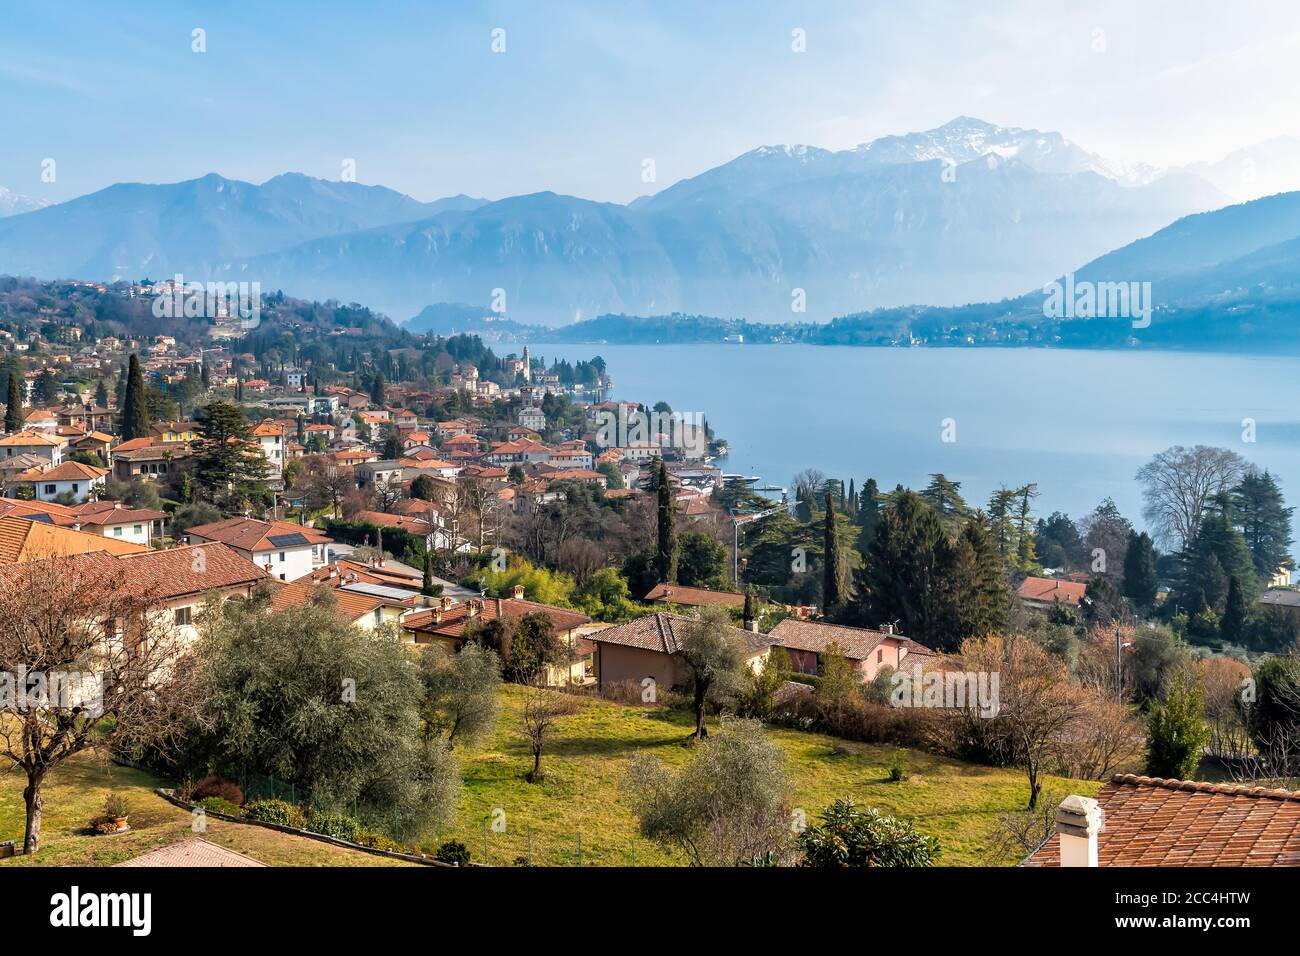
(283, 550)
(72, 478)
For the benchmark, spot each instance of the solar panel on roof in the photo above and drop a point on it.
(287, 540)
(41, 517)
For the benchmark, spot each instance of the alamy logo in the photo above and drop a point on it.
(73, 909)
(1098, 300)
(24, 691)
(177, 298)
(949, 690)
(684, 432)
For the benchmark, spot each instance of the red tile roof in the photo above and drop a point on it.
(249, 534)
(450, 622)
(664, 633)
(1155, 822)
(857, 643)
(1051, 590)
(693, 597)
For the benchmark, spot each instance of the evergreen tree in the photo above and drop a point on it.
(974, 599)
(899, 580)
(833, 571)
(427, 587)
(14, 406)
(135, 407)
(868, 513)
(101, 394)
(749, 609)
(666, 552)
(1176, 731)
(851, 503)
(1216, 553)
(377, 389)
(1140, 581)
(1260, 514)
(205, 377)
(227, 462)
(1232, 628)
(944, 496)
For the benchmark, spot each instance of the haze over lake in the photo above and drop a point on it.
(1079, 423)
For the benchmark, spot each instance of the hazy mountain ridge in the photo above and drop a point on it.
(963, 213)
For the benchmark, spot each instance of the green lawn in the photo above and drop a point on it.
(75, 793)
(581, 800)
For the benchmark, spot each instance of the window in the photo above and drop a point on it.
(182, 616)
(75, 488)
(117, 531)
(50, 489)
(281, 555)
(137, 529)
(880, 657)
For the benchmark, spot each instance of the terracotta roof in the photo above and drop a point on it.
(24, 539)
(1050, 590)
(664, 633)
(68, 471)
(30, 438)
(402, 522)
(113, 512)
(451, 622)
(151, 451)
(250, 534)
(1155, 822)
(694, 597)
(857, 643)
(180, 571)
(351, 606)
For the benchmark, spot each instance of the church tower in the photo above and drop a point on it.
(528, 366)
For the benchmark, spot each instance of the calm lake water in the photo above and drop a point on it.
(1079, 423)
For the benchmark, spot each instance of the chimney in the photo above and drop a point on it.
(445, 603)
(753, 625)
(500, 607)
(474, 607)
(437, 616)
(1078, 821)
(518, 592)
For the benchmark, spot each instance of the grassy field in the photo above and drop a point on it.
(581, 800)
(578, 813)
(75, 793)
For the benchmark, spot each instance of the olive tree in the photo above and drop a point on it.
(726, 807)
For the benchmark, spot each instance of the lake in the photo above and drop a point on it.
(1079, 423)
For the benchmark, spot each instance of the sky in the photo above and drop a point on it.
(577, 95)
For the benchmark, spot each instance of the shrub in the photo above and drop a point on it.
(453, 852)
(898, 766)
(116, 806)
(1176, 732)
(275, 811)
(377, 841)
(221, 805)
(849, 837)
(336, 825)
(214, 786)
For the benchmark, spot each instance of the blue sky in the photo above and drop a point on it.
(584, 92)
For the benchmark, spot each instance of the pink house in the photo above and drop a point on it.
(867, 650)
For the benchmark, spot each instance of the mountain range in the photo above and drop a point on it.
(966, 212)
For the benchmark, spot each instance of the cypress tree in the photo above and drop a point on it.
(666, 553)
(1232, 629)
(101, 394)
(14, 408)
(749, 609)
(832, 582)
(426, 586)
(135, 412)
(851, 503)
(1140, 570)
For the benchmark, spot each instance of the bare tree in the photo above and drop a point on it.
(1037, 703)
(542, 709)
(85, 662)
(808, 483)
(1179, 483)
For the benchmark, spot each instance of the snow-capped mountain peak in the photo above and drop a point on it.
(11, 204)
